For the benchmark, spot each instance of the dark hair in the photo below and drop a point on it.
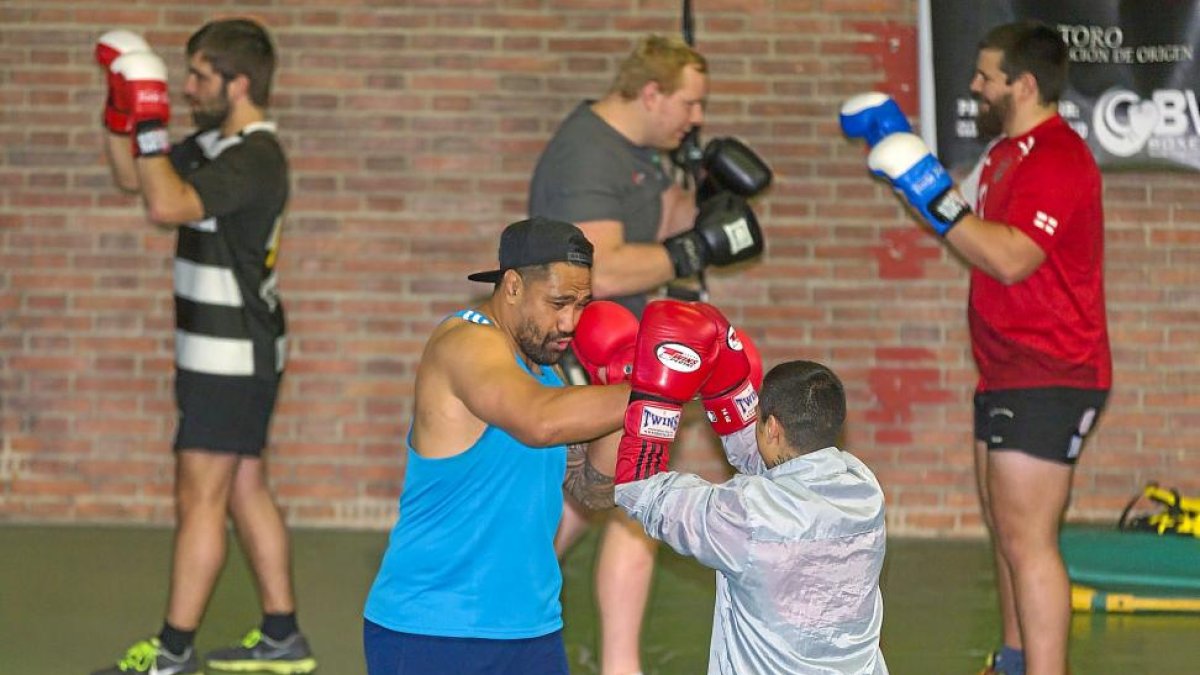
(238, 47)
(533, 273)
(808, 401)
(1035, 48)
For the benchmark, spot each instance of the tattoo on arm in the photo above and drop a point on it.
(584, 483)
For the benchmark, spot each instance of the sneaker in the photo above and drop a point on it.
(151, 658)
(997, 666)
(260, 653)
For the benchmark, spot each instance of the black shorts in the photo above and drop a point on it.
(1049, 422)
(223, 414)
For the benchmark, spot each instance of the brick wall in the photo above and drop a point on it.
(412, 129)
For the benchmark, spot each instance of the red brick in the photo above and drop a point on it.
(411, 132)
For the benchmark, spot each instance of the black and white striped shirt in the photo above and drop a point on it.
(228, 317)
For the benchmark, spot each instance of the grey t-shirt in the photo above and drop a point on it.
(589, 171)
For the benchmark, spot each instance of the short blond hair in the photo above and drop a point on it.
(656, 58)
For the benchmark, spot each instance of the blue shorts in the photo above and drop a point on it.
(392, 653)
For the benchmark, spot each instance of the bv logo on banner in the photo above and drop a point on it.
(1165, 126)
(1132, 82)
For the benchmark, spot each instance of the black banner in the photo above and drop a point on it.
(1132, 81)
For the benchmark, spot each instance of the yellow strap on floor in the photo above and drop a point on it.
(1177, 523)
(1173, 498)
(1084, 599)
(1182, 515)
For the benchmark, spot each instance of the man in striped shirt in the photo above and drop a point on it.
(224, 189)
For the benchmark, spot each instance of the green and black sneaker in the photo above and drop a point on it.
(151, 658)
(259, 653)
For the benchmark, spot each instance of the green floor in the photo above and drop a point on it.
(72, 598)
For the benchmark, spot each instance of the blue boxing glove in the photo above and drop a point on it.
(872, 116)
(905, 161)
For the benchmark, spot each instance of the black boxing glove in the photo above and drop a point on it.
(688, 156)
(729, 165)
(726, 232)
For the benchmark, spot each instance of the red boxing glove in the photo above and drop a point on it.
(604, 339)
(110, 46)
(674, 353)
(142, 77)
(752, 353)
(729, 395)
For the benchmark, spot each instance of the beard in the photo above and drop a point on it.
(539, 349)
(990, 121)
(213, 115)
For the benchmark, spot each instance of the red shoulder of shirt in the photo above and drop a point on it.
(1056, 179)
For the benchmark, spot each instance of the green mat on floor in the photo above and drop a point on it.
(1137, 563)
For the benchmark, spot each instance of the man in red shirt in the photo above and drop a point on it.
(1035, 241)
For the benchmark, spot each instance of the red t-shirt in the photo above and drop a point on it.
(1050, 329)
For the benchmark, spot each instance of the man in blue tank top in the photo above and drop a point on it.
(470, 582)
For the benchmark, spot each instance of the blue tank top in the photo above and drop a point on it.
(472, 554)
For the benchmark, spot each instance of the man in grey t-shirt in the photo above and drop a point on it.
(620, 194)
(604, 170)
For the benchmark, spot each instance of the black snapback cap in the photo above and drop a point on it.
(538, 241)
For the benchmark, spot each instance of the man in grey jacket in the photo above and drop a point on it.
(797, 537)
